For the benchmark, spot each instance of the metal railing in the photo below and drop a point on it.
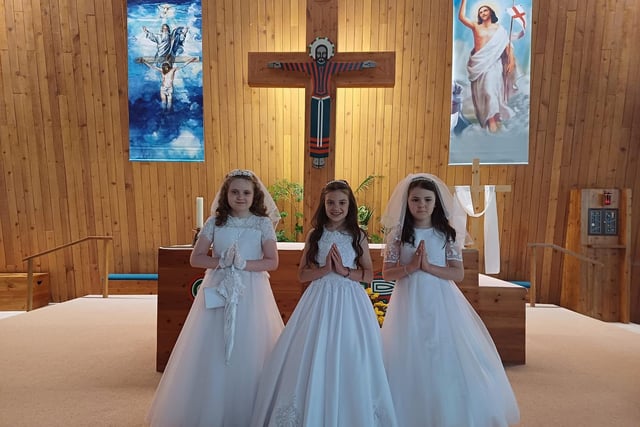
(534, 263)
(108, 242)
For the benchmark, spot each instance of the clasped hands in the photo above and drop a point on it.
(232, 257)
(334, 262)
(419, 261)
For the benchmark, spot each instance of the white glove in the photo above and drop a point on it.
(239, 262)
(226, 257)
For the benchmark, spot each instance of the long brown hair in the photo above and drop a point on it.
(438, 217)
(320, 220)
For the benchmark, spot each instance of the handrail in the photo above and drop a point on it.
(108, 240)
(534, 246)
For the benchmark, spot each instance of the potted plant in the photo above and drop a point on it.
(288, 194)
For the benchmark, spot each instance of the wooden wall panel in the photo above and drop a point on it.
(64, 119)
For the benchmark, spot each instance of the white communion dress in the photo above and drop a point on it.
(200, 387)
(443, 367)
(327, 367)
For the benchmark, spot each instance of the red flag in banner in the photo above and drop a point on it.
(517, 12)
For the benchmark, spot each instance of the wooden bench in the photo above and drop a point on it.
(13, 291)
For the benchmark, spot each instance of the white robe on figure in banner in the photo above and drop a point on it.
(487, 81)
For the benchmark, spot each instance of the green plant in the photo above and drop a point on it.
(364, 216)
(365, 212)
(287, 193)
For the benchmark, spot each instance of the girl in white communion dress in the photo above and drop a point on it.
(212, 375)
(443, 367)
(327, 369)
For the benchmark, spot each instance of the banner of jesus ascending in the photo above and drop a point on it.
(490, 82)
(165, 80)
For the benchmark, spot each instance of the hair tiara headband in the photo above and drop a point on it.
(336, 181)
(421, 178)
(239, 172)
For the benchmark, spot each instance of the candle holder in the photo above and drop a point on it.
(196, 233)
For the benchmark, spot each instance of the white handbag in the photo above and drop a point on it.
(212, 299)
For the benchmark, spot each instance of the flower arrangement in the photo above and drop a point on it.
(380, 304)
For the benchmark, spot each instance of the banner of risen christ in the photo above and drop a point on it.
(490, 82)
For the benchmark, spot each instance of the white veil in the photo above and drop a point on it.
(393, 216)
(272, 210)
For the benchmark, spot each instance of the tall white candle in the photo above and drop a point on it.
(199, 211)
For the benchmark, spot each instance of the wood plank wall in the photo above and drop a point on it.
(64, 140)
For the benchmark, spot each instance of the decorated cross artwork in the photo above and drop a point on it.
(320, 71)
(321, 50)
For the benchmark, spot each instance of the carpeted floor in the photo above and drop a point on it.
(91, 362)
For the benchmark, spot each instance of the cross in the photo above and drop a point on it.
(322, 21)
(477, 191)
(518, 13)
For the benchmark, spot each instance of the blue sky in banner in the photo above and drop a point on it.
(469, 140)
(171, 130)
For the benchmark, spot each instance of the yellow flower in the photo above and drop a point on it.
(379, 304)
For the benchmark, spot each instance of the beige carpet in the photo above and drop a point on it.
(91, 362)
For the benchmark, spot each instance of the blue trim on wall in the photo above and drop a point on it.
(133, 276)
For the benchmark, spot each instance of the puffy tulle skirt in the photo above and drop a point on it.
(443, 367)
(327, 367)
(198, 388)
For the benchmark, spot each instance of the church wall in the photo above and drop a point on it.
(64, 140)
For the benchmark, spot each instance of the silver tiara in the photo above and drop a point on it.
(421, 178)
(240, 172)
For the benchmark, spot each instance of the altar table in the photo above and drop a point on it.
(500, 305)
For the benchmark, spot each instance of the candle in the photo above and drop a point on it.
(199, 211)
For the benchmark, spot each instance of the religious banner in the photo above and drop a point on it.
(490, 82)
(165, 81)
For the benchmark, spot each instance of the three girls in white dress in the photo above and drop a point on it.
(436, 364)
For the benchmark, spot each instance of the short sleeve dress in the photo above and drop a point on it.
(443, 367)
(199, 386)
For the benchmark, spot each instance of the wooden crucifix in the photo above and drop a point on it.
(269, 70)
(477, 195)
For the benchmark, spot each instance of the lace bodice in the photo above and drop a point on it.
(438, 251)
(249, 233)
(342, 241)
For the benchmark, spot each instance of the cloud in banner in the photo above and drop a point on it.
(165, 81)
